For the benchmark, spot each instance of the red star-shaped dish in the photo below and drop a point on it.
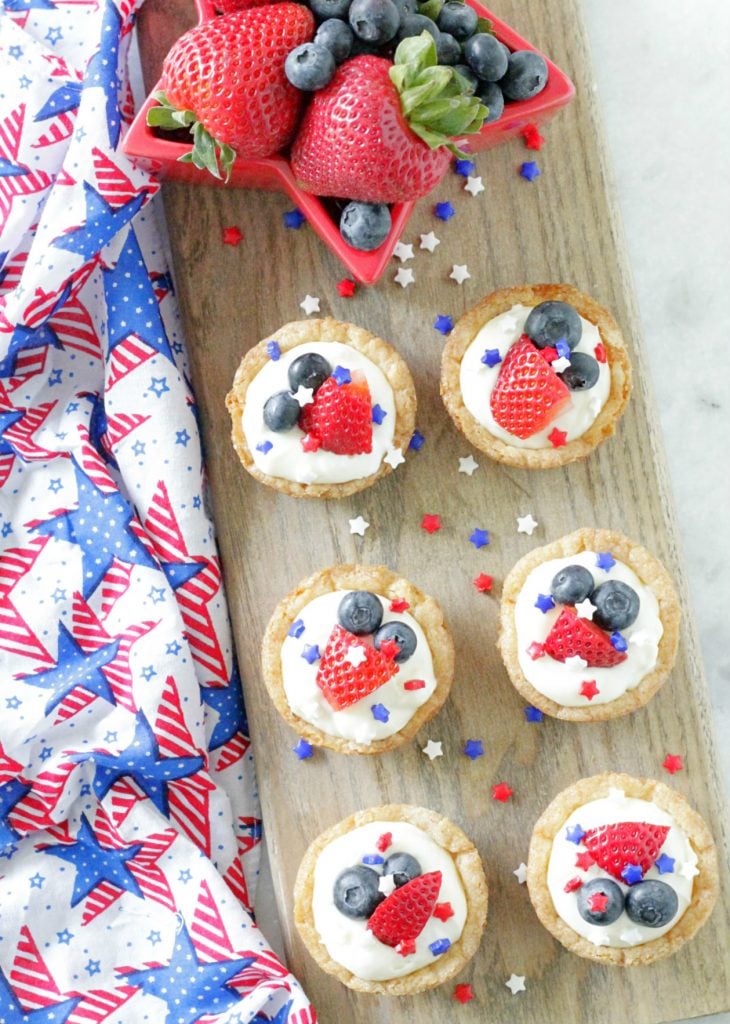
(463, 994)
(431, 524)
(162, 154)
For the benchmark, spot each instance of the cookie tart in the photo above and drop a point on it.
(357, 659)
(536, 376)
(589, 626)
(321, 409)
(392, 900)
(622, 870)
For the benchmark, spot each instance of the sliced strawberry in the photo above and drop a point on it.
(343, 683)
(403, 915)
(528, 394)
(571, 636)
(629, 842)
(341, 416)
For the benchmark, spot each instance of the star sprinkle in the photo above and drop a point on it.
(689, 870)
(341, 375)
(273, 350)
(310, 653)
(589, 689)
(574, 834)
(433, 749)
(640, 638)
(632, 874)
(533, 714)
(293, 219)
(673, 763)
(468, 465)
(296, 629)
(575, 663)
(394, 457)
(597, 902)
(516, 983)
(378, 414)
(264, 447)
(431, 523)
(533, 138)
(526, 524)
(631, 936)
(459, 273)
(665, 864)
(474, 749)
(403, 252)
(440, 946)
(545, 603)
(404, 277)
(600, 353)
(573, 884)
(618, 642)
(474, 185)
(232, 235)
(386, 884)
(358, 526)
(463, 994)
(501, 792)
(310, 443)
(310, 304)
(399, 605)
(372, 859)
(560, 365)
(417, 441)
(584, 609)
(444, 211)
(491, 357)
(413, 684)
(346, 288)
(598, 937)
(605, 560)
(558, 438)
(303, 750)
(443, 911)
(536, 650)
(429, 241)
(356, 655)
(520, 873)
(529, 170)
(443, 324)
(483, 583)
(464, 168)
(479, 538)
(305, 396)
(584, 861)
(380, 713)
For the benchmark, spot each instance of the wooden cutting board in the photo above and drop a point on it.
(563, 227)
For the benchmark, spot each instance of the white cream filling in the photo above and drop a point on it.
(557, 680)
(357, 721)
(286, 458)
(348, 941)
(477, 380)
(608, 811)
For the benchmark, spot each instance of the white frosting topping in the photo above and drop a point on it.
(357, 721)
(610, 810)
(349, 941)
(286, 458)
(560, 681)
(477, 380)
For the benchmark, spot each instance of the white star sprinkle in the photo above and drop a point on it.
(358, 525)
(356, 655)
(516, 983)
(429, 241)
(474, 185)
(526, 524)
(459, 273)
(688, 870)
(631, 936)
(560, 365)
(403, 252)
(598, 937)
(404, 277)
(386, 884)
(520, 873)
(616, 794)
(585, 609)
(468, 465)
(433, 749)
(394, 457)
(310, 304)
(576, 663)
(304, 395)
(641, 638)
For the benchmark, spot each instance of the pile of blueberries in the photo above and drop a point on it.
(617, 604)
(557, 325)
(651, 903)
(361, 613)
(348, 28)
(356, 892)
(281, 410)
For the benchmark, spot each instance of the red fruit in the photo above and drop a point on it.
(343, 683)
(230, 73)
(528, 394)
(571, 636)
(403, 915)
(630, 842)
(341, 416)
(355, 143)
(229, 6)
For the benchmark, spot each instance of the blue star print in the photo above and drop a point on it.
(75, 668)
(102, 69)
(227, 701)
(10, 794)
(131, 301)
(24, 338)
(95, 864)
(66, 97)
(101, 225)
(12, 1012)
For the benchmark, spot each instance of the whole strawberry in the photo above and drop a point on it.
(381, 132)
(224, 79)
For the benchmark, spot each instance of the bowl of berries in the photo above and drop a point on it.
(353, 108)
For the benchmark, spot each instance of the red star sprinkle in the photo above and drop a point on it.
(536, 650)
(399, 604)
(346, 288)
(600, 353)
(310, 443)
(443, 911)
(431, 523)
(384, 841)
(483, 583)
(572, 885)
(589, 689)
(584, 861)
(533, 138)
(598, 902)
(232, 235)
(414, 684)
(405, 947)
(549, 354)
(389, 648)
(463, 994)
(558, 438)
(501, 792)
(673, 763)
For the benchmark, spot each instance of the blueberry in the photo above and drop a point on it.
(600, 887)
(551, 322)
(526, 76)
(651, 903)
(375, 21)
(403, 867)
(336, 36)
(406, 7)
(403, 636)
(485, 56)
(448, 49)
(281, 411)
(617, 605)
(309, 67)
(458, 20)
(491, 96)
(582, 373)
(365, 226)
(356, 892)
(414, 24)
(360, 612)
(571, 584)
(309, 371)
(330, 8)
(466, 72)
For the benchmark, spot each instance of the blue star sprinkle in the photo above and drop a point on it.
(575, 834)
(443, 324)
(605, 561)
(272, 347)
(378, 414)
(665, 864)
(380, 712)
(296, 629)
(465, 168)
(479, 538)
(310, 653)
(264, 446)
(563, 349)
(474, 749)
(303, 750)
(533, 714)
(440, 946)
(632, 874)
(373, 858)
(491, 357)
(341, 375)
(444, 211)
(417, 441)
(618, 642)
(293, 219)
(544, 602)
(530, 170)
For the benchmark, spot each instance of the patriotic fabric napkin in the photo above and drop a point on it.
(128, 810)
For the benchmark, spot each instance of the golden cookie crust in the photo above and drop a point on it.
(706, 884)
(380, 580)
(467, 328)
(468, 865)
(651, 573)
(300, 332)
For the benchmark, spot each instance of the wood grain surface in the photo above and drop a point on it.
(561, 228)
